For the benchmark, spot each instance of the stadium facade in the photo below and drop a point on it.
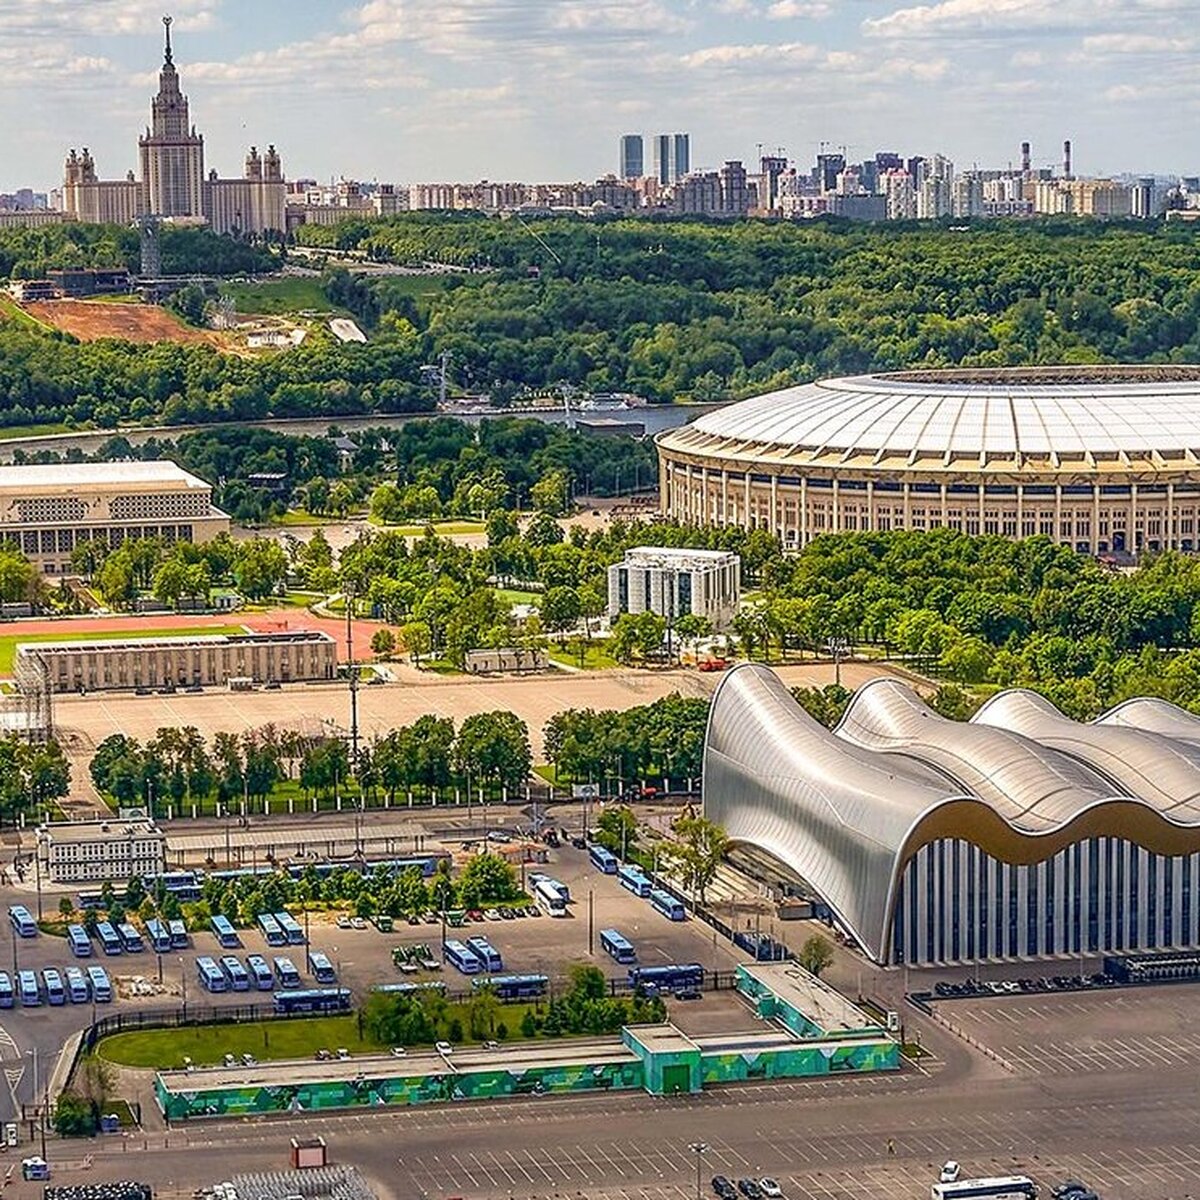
(1103, 459)
(1018, 834)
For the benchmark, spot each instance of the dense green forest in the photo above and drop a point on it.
(669, 310)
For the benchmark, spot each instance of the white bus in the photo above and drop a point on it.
(549, 898)
(999, 1188)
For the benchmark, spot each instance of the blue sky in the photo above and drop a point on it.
(409, 90)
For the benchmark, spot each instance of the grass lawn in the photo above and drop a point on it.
(10, 310)
(274, 297)
(19, 431)
(298, 516)
(595, 658)
(301, 1037)
(511, 596)
(10, 641)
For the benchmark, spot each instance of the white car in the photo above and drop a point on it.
(491, 914)
(399, 1052)
(343, 922)
(770, 1187)
(357, 923)
(443, 1048)
(950, 1172)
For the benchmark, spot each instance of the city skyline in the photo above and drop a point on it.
(408, 90)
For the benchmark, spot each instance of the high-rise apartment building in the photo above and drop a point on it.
(633, 157)
(672, 156)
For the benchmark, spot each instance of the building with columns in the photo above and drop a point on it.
(172, 183)
(1103, 459)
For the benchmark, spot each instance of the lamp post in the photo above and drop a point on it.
(699, 1149)
(837, 648)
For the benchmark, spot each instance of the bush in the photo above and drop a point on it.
(74, 1116)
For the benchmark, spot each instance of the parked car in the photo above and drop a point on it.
(443, 1048)
(950, 1172)
(770, 1187)
(750, 1189)
(722, 1188)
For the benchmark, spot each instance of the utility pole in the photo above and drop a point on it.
(353, 681)
(591, 920)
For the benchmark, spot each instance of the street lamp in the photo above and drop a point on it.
(699, 1149)
(837, 647)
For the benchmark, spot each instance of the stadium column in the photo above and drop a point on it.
(1169, 528)
(981, 495)
(837, 506)
(907, 505)
(665, 482)
(1020, 510)
(774, 526)
(802, 515)
(945, 510)
(1058, 512)
(689, 503)
(746, 522)
(870, 522)
(724, 496)
(1131, 539)
(1095, 518)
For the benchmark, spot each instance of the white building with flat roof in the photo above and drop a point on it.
(47, 510)
(93, 851)
(674, 582)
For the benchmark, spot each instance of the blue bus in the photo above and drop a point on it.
(27, 985)
(291, 928)
(313, 1000)
(183, 885)
(224, 932)
(410, 989)
(633, 878)
(260, 972)
(668, 976)
(269, 928)
(131, 940)
(603, 858)
(457, 955)
(514, 987)
(488, 955)
(77, 987)
(55, 992)
(212, 978)
(321, 968)
(22, 922)
(239, 977)
(665, 903)
(78, 940)
(159, 935)
(110, 943)
(179, 934)
(7, 995)
(286, 973)
(100, 984)
(618, 947)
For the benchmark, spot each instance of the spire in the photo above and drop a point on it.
(167, 51)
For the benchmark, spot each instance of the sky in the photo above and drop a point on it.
(424, 90)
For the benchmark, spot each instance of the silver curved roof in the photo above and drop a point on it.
(1155, 716)
(1142, 413)
(1032, 787)
(1162, 771)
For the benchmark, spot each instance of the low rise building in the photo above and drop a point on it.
(675, 582)
(90, 851)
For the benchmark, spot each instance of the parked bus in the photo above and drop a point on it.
(183, 885)
(459, 956)
(78, 940)
(537, 877)
(634, 879)
(269, 928)
(100, 984)
(996, 1188)
(514, 987)
(619, 947)
(27, 985)
(239, 977)
(665, 903)
(7, 995)
(77, 988)
(291, 928)
(668, 976)
(286, 973)
(159, 935)
(224, 932)
(410, 989)
(334, 999)
(212, 978)
(56, 993)
(488, 955)
(260, 972)
(603, 858)
(179, 934)
(110, 943)
(23, 924)
(131, 940)
(549, 899)
(321, 968)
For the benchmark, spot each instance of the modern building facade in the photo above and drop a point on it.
(206, 660)
(674, 582)
(46, 511)
(672, 156)
(633, 156)
(172, 183)
(93, 851)
(1102, 459)
(1018, 834)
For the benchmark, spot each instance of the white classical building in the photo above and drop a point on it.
(674, 582)
(93, 851)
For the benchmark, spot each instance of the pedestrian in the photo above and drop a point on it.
(891, 1147)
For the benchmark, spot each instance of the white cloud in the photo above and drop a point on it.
(790, 10)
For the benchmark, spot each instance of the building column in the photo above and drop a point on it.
(981, 496)
(665, 483)
(689, 508)
(774, 525)
(907, 505)
(1169, 540)
(746, 493)
(803, 531)
(705, 504)
(837, 507)
(724, 496)
(1020, 509)
(1057, 539)
(1131, 539)
(945, 508)
(1096, 519)
(871, 523)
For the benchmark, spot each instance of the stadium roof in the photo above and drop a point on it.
(1144, 413)
(847, 809)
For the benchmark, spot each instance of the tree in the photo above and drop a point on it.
(692, 627)
(17, 575)
(816, 954)
(190, 303)
(618, 829)
(494, 746)
(383, 643)
(637, 636)
(549, 494)
(560, 609)
(698, 849)
(260, 567)
(417, 640)
(487, 878)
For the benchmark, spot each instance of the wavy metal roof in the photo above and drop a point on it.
(1142, 413)
(1032, 787)
(1155, 716)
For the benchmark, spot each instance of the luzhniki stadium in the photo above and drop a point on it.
(1103, 459)
(1020, 833)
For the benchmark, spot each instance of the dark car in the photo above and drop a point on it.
(1069, 1189)
(723, 1188)
(579, 843)
(750, 1189)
